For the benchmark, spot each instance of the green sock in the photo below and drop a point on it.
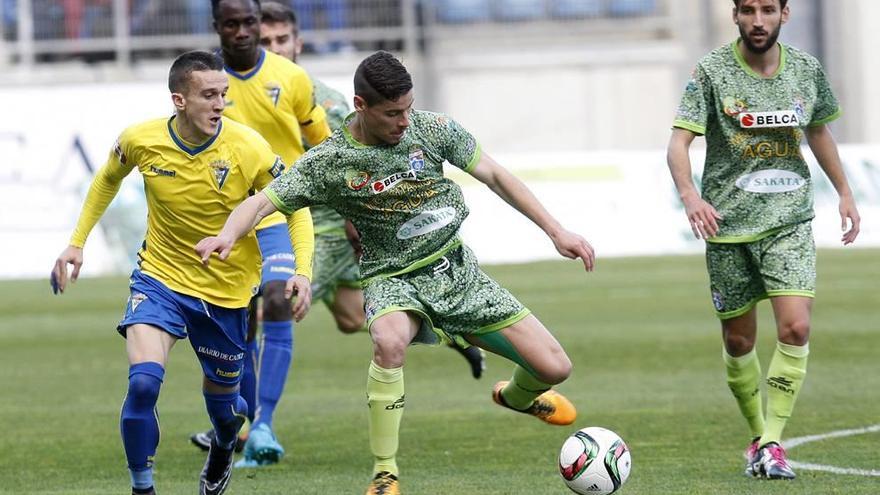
(744, 380)
(385, 399)
(522, 390)
(785, 377)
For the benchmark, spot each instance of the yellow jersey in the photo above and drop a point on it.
(190, 191)
(276, 98)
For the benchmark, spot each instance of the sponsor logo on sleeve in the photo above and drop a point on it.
(426, 222)
(277, 167)
(117, 149)
(392, 181)
(770, 181)
(756, 120)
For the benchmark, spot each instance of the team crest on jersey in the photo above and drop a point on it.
(135, 300)
(277, 167)
(356, 179)
(733, 106)
(392, 181)
(416, 159)
(273, 90)
(221, 170)
(800, 108)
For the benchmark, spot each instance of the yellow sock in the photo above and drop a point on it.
(785, 377)
(523, 388)
(744, 380)
(386, 400)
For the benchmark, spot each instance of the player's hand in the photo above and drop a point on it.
(702, 216)
(71, 255)
(574, 246)
(300, 286)
(848, 211)
(354, 238)
(210, 245)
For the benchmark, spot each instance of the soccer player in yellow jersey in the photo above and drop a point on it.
(197, 166)
(273, 96)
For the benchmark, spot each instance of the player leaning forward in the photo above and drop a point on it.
(754, 100)
(197, 166)
(383, 171)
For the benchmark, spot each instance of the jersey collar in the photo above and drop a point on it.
(247, 75)
(783, 56)
(184, 146)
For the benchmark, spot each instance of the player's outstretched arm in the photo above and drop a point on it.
(822, 144)
(242, 220)
(702, 216)
(71, 255)
(516, 194)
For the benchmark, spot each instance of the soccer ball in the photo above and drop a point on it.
(594, 461)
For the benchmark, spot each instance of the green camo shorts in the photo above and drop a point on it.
(335, 266)
(452, 296)
(781, 264)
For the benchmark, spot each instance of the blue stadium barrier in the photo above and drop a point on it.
(625, 8)
(462, 11)
(519, 10)
(577, 9)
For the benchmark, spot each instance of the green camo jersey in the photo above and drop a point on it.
(406, 211)
(755, 175)
(325, 219)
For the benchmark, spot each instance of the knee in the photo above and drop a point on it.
(275, 306)
(557, 372)
(143, 387)
(738, 345)
(349, 324)
(389, 349)
(794, 332)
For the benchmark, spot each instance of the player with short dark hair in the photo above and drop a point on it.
(197, 166)
(755, 100)
(384, 172)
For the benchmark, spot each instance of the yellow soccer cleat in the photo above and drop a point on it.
(384, 483)
(550, 407)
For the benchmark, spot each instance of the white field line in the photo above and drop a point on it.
(794, 442)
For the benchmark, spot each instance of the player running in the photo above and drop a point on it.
(274, 97)
(197, 166)
(383, 171)
(754, 100)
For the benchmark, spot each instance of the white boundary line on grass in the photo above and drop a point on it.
(794, 442)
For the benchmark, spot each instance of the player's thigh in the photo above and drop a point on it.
(735, 280)
(528, 343)
(793, 315)
(147, 343)
(348, 308)
(391, 333)
(739, 333)
(383, 296)
(218, 337)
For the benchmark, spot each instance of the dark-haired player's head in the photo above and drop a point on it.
(237, 22)
(279, 31)
(759, 22)
(198, 86)
(383, 97)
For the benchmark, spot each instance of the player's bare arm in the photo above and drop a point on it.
(518, 195)
(242, 220)
(822, 144)
(702, 216)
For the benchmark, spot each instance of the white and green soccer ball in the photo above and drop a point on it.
(594, 461)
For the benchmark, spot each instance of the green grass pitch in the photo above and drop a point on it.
(640, 332)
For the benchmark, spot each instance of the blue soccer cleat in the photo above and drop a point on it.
(261, 448)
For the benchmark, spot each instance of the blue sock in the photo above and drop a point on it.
(227, 412)
(139, 421)
(248, 385)
(275, 355)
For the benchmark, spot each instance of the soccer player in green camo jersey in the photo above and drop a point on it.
(384, 171)
(754, 100)
(336, 278)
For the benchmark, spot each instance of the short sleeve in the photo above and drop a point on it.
(693, 111)
(459, 147)
(299, 187)
(827, 107)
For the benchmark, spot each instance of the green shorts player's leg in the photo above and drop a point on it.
(743, 368)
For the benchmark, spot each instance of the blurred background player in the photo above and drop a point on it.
(273, 96)
(336, 276)
(421, 284)
(196, 166)
(754, 100)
